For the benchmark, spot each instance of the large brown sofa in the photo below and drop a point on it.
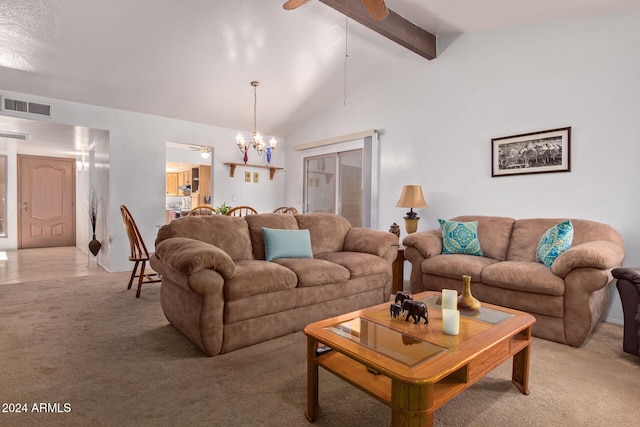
(567, 300)
(221, 293)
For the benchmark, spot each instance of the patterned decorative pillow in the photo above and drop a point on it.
(460, 237)
(554, 241)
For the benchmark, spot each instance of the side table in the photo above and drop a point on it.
(398, 271)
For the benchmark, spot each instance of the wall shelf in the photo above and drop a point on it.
(233, 165)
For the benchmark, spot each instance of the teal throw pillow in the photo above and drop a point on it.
(286, 243)
(460, 237)
(554, 241)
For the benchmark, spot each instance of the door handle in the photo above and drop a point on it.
(25, 207)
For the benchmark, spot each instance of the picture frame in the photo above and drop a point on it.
(529, 153)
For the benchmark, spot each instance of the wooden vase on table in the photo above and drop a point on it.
(466, 301)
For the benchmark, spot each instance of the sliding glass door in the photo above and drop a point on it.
(333, 183)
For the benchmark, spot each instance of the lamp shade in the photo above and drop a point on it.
(412, 197)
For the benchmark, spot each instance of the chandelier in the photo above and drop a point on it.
(257, 141)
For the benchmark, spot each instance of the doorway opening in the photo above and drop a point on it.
(87, 148)
(189, 178)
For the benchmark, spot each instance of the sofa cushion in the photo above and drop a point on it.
(256, 277)
(527, 234)
(309, 296)
(229, 233)
(460, 237)
(269, 220)
(494, 233)
(454, 266)
(359, 264)
(313, 271)
(523, 276)
(286, 243)
(328, 231)
(553, 242)
(536, 304)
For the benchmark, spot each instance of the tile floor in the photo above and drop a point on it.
(28, 265)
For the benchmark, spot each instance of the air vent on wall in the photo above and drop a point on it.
(26, 107)
(12, 135)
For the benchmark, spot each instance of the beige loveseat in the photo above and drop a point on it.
(218, 290)
(567, 300)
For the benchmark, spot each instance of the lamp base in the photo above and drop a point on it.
(411, 224)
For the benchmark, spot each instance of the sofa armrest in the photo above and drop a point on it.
(190, 256)
(629, 274)
(429, 242)
(599, 254)
(367, 240)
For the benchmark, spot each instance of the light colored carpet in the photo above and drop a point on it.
(115, 360)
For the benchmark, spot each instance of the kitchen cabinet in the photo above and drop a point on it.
(172, 184)
(198, 177)
(195, 179)
(184, 178)
(204, 182)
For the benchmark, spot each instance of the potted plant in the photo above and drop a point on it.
(222, 209)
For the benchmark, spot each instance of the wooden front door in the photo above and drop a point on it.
(46, 202)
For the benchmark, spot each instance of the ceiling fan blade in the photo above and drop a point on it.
(293, 4)
(376, 8)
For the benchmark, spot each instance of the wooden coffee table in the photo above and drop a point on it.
(415, 368)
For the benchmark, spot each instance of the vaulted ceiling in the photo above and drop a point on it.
(195, 59)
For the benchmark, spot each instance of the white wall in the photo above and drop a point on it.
(436, 120)
(135, 165)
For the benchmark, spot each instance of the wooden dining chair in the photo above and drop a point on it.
(202, 210)
(286, 210)
(241, 211)
(139, 253)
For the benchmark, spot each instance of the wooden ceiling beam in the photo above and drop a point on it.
(394, 27)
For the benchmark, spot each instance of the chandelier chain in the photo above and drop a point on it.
(346, 51)
(255, 103)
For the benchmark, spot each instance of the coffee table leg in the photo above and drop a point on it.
(312, 380)
(411, 404)
(520, 372)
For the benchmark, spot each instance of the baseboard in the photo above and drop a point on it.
(614, 321)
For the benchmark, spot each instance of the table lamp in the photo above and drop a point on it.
(411, 198)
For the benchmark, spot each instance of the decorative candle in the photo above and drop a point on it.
(449, 299)
(450, 321)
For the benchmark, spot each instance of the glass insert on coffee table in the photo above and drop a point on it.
(416, 368)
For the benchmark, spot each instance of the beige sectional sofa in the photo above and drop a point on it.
(221, 293)
(568, 299)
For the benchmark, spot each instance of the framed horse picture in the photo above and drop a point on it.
(537, 152)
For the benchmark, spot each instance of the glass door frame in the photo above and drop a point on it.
(370, 167)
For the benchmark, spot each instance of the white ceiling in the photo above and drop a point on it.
(195, 59)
